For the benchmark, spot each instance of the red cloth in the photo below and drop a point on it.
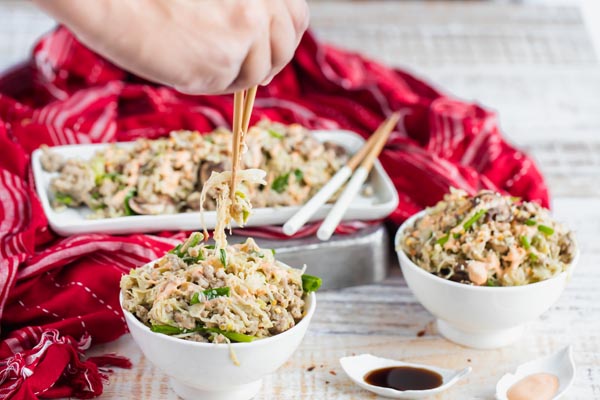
(68, 94)
(55, 368)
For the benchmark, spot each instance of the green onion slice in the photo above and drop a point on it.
(443, 240)
(275, 134)
(280, 183)
(223, 257)
(546, 230)
(311, 283)
(63, 198)
(173, 330)
(217, 292)
(128, 211)
(474, 219)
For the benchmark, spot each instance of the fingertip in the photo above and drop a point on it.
(267, 81)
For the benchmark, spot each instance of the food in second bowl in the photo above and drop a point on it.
(489, 239)
(203, 293)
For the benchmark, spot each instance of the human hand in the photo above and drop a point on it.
(196, 46)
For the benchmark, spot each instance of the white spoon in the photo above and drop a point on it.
(560, 364)
(356, 367)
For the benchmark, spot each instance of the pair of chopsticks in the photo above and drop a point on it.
(243, 102)
(367, 154)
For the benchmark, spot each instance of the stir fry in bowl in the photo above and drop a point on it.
(166, 176)
(204, 293)
(489, 239)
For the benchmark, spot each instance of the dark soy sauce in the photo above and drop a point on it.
(404, 378)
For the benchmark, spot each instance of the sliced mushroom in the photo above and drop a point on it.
(567, 248)
(460, 274)
(485, 196)
(337, 149)
(165, 205)
(499, 208)
(206, 169)
(501, 214)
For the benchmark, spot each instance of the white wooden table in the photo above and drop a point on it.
(533, 64)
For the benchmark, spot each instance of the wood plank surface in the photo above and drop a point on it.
(535, 65)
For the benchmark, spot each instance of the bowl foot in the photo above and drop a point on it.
(480, 340)
(242, 392)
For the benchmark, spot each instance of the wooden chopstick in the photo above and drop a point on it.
(248, 106)
(308, 210)
(243, 102)
(373, 154)
(354, 185)
(238, 110)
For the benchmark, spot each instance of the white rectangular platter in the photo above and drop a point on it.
(381, 203)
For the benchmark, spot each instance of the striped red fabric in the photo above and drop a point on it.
(67, 94)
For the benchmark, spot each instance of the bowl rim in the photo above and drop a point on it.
(311, 299)
(402, 254)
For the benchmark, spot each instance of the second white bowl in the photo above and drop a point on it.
(479, 316)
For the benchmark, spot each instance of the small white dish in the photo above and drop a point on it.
(206, 370)
(560, 364)
(74, 221)
(481, 317)
(356, 367)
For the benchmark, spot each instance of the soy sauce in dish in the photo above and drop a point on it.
(404, 378)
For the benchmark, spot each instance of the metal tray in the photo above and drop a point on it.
(345, 260)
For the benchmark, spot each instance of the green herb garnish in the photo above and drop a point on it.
(210, 294)
(217, 292)
(189, 260)
(210, 246)
(128, 211)
(474, 219)
(111, 175)
(530, 222)
(280, 183)
(168, 329)
(240, 194)
(443, 240)
(275, 134)
(63, 198)
(298, 174)
(223, 257)
(234, 336)
(311, 283)
(491, 282)
(175, 250)
(546, 230)
(245, 215)
(273, 251)
(173, 330)
(195, 240)
(97, 166)
(525, 242)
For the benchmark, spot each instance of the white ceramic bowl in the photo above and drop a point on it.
(206, 371)
(479, 316)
